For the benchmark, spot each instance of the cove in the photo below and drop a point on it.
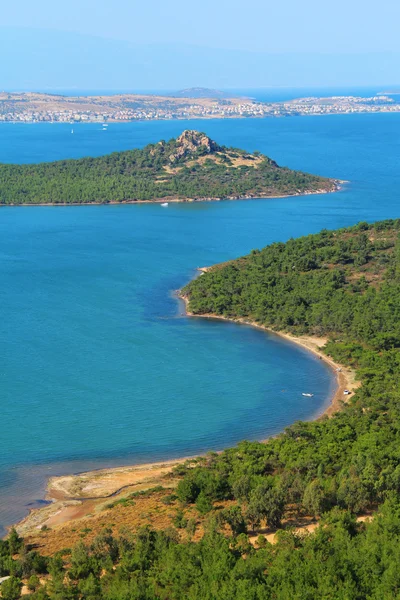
(100, 364)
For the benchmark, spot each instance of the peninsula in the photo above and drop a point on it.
(207, 528)
(188, 168)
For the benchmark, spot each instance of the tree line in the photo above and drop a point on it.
(342, 560)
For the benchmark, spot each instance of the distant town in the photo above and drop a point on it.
(31, 107)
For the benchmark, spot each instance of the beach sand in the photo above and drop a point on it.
(74, 497)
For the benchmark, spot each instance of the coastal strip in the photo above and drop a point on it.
(76, 496)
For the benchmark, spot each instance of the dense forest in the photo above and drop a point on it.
(344, 284)
(189, 167)
(342, 560)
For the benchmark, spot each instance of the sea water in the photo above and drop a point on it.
(99, 365)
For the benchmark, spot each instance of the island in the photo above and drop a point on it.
(312, 513)
(188, 168)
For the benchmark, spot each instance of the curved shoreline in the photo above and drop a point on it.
(345, 377)
(76, 496)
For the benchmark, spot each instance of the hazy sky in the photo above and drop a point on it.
(172, 44)
(335, 26)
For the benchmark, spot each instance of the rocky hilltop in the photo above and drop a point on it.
(191, 143)
(188, 168)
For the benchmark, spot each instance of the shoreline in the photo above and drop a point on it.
(76, 496)
(200, 117)
(79, 495)
(345, 377)
(336, 187)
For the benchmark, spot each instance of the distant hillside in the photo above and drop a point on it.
(190, 167)
(202, 92)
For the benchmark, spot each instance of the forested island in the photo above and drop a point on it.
(190, 167)
(203, 535)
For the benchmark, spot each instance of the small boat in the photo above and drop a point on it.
(308, 395)
(164, 204)
(72, 131)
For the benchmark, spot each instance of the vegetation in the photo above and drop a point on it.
(330, 283)
(344, 284)
(189, 167)
(342, 560)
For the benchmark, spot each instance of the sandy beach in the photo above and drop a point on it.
(77, 496)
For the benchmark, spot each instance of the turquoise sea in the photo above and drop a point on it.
(98, 364)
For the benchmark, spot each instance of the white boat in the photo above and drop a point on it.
(164, 204)
(72, 131)
(308, 395)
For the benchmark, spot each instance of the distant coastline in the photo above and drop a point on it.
(32, 107)
(394, 110)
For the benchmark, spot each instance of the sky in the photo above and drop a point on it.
(259, 28)
(260, 25)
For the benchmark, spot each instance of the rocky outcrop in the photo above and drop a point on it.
(192, 142)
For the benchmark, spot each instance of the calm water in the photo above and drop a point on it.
(98, 364)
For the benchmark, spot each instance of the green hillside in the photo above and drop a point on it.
(336, 282)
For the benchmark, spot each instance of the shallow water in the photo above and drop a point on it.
(99, 366)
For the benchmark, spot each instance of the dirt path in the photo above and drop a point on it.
(307, 526)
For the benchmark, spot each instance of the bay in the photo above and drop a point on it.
(98, 364)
